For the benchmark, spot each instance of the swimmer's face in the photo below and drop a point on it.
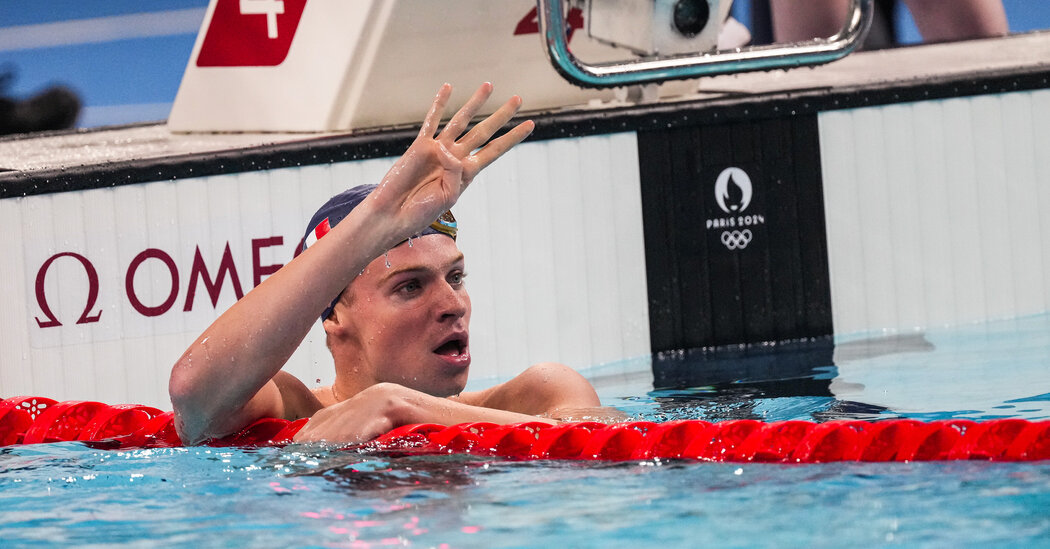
(406, 318)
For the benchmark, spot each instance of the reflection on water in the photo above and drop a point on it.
(981, 371)
(68, 494)
(397, 473)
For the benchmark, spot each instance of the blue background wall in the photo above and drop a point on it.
(124, 70)
(126, 57)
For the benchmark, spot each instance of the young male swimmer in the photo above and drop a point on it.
(398, 330)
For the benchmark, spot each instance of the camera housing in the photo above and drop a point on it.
(657, 27)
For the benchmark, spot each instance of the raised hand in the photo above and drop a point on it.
(430, 177)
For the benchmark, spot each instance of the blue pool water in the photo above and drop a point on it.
(69, 494)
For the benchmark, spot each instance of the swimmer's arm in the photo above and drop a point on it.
(547, 389)
(227, 378)
(284, 396)
(386, 406)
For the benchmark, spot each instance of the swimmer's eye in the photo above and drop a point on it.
(456, 278)
(410, 287)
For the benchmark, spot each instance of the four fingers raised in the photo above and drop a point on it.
(480, 134)
(494, 149)
(459, 122)
(485, 129)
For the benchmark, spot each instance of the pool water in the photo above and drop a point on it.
(70, 494)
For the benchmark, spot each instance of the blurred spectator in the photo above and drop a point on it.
(937, 20)
(54, 108)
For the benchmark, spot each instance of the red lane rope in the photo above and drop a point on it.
(31, 420)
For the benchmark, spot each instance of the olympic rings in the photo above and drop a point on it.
(736, 240)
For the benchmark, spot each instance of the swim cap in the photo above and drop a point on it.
(340, 205)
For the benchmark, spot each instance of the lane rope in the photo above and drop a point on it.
(34, 420)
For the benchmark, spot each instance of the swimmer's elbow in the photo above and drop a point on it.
(178, 384)
(181, 391)
(194, 417)
(209, 406)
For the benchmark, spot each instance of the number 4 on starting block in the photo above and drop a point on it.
(235, 35)
(270, 8)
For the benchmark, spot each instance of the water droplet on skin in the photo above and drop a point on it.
(386, 256)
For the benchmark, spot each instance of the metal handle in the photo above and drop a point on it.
(680, 67)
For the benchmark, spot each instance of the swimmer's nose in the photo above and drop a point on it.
(454, 302)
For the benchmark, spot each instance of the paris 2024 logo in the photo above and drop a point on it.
(733, 193)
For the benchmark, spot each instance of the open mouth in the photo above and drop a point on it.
(452, 347)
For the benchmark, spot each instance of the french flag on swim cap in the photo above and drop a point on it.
(320, 230)
(333, 211)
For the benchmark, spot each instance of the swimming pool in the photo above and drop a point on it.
(67, 493)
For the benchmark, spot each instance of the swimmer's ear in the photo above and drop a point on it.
(333, 325)
(334, 330)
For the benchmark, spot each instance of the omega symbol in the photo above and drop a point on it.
(41, 298)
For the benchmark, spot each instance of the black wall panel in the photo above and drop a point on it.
(740, 262)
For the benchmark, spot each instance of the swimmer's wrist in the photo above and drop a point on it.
(368, 232)
(394, 403)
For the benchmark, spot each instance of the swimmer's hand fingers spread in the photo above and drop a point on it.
(461, 120)
(494, 149)
(467, 147)
(488, 127)
(479, 135)
(461, 148)
(429, 178)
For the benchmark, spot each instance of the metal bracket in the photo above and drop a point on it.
(681, 67)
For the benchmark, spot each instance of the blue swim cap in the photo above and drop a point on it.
(339, 206)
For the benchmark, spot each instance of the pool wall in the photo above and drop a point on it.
(129, 275)
(936, 211)
(804, 209)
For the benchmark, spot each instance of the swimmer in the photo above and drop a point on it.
(398, 326)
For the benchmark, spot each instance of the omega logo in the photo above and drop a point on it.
(41, 298)
(199, 274)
